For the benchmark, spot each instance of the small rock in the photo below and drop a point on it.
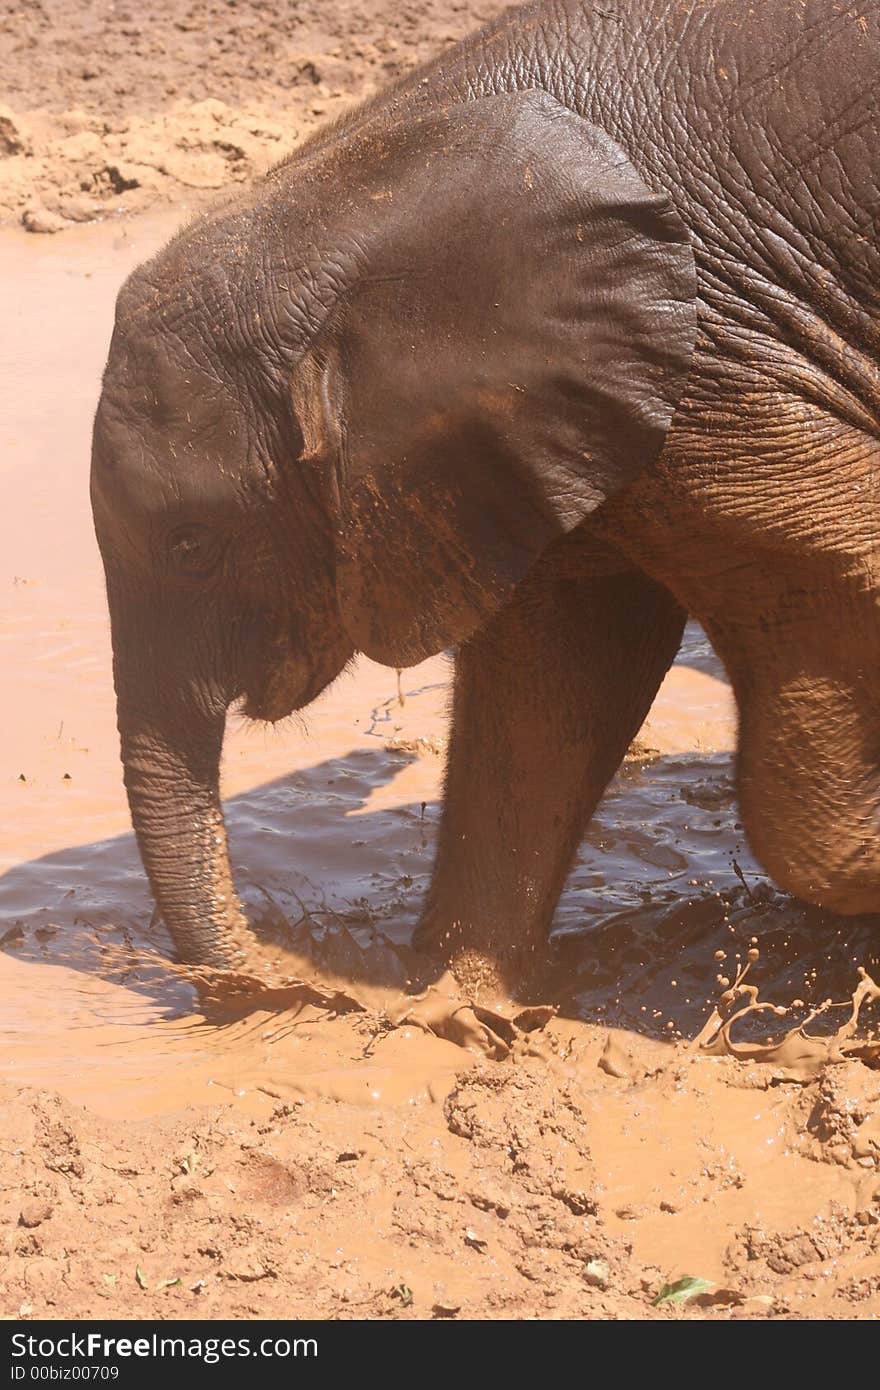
(597, 1274)
(14, 138)
(446, 1310)
(184, 1189)
(34, 1213)
(628, 1213)
(40, 219)
(77, 209)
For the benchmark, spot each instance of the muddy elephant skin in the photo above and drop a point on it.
(570, 333)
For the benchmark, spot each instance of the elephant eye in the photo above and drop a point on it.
(193, 550)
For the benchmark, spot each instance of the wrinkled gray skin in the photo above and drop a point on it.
(417, 390)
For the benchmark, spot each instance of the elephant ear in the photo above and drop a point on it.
(509, 355)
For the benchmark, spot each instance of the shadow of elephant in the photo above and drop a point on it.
(662, 882)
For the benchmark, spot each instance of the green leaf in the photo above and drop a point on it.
(141, 1278)
(682, 1290)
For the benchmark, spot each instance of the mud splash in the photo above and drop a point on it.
(799, 1054)
(650, 1116)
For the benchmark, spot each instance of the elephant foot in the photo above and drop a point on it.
(481, 976)
(451, 1008)
(488, 966)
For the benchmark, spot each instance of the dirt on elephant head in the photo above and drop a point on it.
(681, 1120)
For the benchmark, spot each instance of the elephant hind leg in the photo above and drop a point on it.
(547, 698)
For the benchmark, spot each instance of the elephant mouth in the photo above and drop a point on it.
(267, 708)
(288, 684)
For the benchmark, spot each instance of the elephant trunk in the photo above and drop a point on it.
(172, 765)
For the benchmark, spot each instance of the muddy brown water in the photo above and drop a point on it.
(332, 820)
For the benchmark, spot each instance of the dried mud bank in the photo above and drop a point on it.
(110, 108)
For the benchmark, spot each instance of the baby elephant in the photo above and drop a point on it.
(570, 333)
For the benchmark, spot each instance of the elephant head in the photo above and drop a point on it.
(349, 413)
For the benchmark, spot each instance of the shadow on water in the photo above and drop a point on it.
(662, 882)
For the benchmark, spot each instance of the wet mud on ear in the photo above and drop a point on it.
(509, 356)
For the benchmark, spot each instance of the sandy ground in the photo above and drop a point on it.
(330, 1149)
(108, 107)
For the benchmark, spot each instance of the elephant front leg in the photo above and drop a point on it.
(547, 698)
